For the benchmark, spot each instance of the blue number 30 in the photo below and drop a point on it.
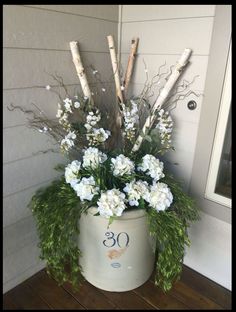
(112, 241)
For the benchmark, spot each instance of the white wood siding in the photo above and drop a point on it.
(35, 44)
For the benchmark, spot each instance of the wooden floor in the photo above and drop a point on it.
(193, 291)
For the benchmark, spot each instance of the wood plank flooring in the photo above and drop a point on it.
(193, 291)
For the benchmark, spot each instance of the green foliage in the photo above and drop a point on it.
(183, 205)
(171, 238)
(170, 231)
(57, 211)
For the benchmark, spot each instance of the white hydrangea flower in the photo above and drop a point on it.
(86, 188)
(72, 171)
(152, 166)
(122, 165)
(93, 157)
(160, 196)
(111, 203)
(136, 190)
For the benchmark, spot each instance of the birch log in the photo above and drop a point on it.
(74, 47)
(162, 97)
(115, 67)
(134, 45)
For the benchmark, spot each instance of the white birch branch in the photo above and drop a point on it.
(74, 47)
(162, 97)
(134, 45)
(115, 67)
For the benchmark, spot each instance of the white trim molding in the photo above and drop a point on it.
(219, 140)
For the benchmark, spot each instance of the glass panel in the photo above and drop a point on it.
(223, 184)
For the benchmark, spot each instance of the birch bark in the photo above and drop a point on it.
(74, 46)
(162, 97)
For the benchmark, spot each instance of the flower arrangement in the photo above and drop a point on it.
(115, 163)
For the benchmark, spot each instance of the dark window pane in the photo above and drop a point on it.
(223, 184)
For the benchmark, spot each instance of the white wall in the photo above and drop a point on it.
(210, 251)
(36, 42)
(164, 32)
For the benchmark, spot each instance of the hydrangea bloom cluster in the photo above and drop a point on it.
(122, 165)
(130, 119)
(159, 197)
(111, 203)
(86, 188)
(135, 191)
(93, 157)
(165, 127)
(152, 167)
(72, 171)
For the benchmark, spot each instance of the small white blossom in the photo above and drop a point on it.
(86, 188)
(103, 90)
(59, 113)
(93, 157)
(152, 166)
(95, 72)
(76, 104)
(122, 165)
(48, 87)
(97, 136)
(165, 127)
(111, 203)
(68, 141)
(135, 191)
(92, 119)
(160, 196)
(122, 88)
(72, 171)
(130, 119)
(68, 105)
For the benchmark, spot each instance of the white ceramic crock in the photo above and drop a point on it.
(118, 258)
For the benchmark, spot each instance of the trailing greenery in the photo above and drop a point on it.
(57, 213)
(57, 210)
(170, 231)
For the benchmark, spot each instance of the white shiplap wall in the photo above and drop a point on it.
(164, 32)
(36, 42)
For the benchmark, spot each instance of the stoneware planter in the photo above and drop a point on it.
(118, 258)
